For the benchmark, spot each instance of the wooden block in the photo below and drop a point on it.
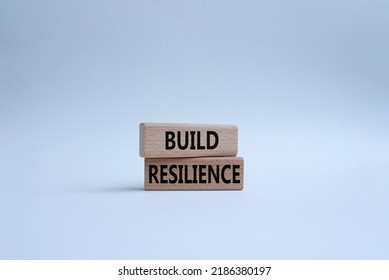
(187, 140)
(213, 173)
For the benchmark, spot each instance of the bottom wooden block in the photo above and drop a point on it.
(208, 173)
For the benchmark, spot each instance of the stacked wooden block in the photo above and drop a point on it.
(191, 157)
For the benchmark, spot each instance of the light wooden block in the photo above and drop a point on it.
(213, 173)
(187, 140)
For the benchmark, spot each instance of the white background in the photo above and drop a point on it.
(306, 82)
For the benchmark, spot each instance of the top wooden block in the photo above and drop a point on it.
(159, 140)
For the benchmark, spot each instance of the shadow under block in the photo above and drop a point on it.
(187, 140)
(209, 173)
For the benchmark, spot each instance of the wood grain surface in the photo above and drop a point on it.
(187, 140)
(210, 173)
